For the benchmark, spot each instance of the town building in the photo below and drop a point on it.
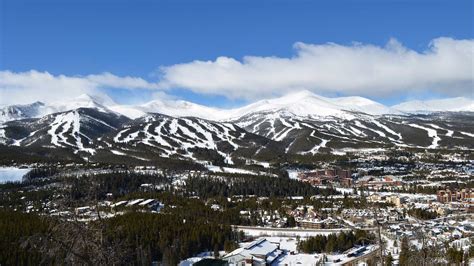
(259, 252)
(448, 195)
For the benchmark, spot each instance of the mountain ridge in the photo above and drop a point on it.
(297, 124)
(301, 103)
(95, 134)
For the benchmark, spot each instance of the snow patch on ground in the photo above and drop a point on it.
(219, 169)
(12, 174)
(2, 135)
(293, 174)
(287, 232)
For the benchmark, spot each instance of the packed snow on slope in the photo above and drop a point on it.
(449, 132)
(68, 121)
(387, 129)
(186, 133)
(117, 152)
(431, 133)
(316, 148)
(467, 134)
(380, 133)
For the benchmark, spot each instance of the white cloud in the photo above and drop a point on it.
(110, 80)
(446, 67)
(26, 87)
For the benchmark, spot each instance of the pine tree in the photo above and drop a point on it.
(389, 259)
(404, 252)
(216, 251)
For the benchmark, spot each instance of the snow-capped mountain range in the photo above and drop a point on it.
(39, 109)
(298, 123)
(303, 103)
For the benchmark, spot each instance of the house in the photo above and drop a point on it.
(327, 176)
(395, 200)
(299, 259)
(152, 204)
(463, 243)
(259, 252)
(456, 195)
(134, 202)
(82, 210)
(328, 223)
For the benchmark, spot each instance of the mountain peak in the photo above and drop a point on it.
(307, 103)
(181, 108)
(300, 103)
(37, 103)
(21, 111)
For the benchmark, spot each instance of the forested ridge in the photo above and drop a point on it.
(138, 238)
(184, 227)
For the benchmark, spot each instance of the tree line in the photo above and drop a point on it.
(335, 242)
(422, 214)
(262, 186)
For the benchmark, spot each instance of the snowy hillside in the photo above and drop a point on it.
(302, 134)
(303, 103)
(306, 103)
(192, 138)
(297, 123)
(174, 108)
(77, 129)
(15, 112)
(39, 109)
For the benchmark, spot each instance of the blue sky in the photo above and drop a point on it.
(136, 38)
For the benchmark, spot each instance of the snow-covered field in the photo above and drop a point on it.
(12, 174)
(285, 232)
(231, 170)
(293, 174)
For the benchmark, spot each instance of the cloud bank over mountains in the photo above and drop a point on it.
(26, 87)
(359, 69)
(445, 67)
